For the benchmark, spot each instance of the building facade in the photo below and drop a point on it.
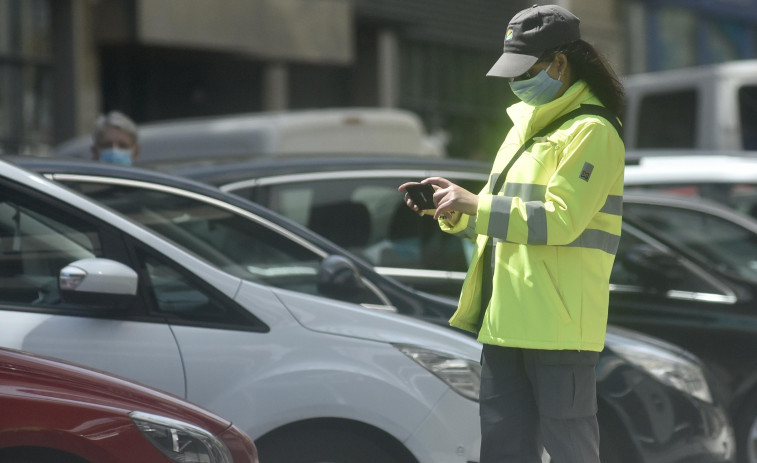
(671, 34)
(63, 62)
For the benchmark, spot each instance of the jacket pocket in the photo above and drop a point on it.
(566, 383)
(561, 307)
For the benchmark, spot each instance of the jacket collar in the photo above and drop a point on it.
(529, 119)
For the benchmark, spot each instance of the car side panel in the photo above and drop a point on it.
(104, 344)
(345, 378)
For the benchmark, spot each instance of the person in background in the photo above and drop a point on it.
(115, 139)
(546, 227)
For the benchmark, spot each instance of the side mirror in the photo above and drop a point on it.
(339, 278)
(97, 281)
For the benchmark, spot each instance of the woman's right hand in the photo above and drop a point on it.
(452, 200)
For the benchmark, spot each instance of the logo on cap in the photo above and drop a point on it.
(509, 35)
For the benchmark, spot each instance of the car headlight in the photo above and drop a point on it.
(668, 366)
(462, 375)
(180, 441)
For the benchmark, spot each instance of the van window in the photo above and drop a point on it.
(748, 116)
(668, 120)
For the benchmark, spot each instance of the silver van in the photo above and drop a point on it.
(705, 108)
(335, 131)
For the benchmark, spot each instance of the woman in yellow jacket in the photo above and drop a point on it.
(537, 289)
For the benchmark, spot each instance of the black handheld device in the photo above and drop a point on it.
(422, 195)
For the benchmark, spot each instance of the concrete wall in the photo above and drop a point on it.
(300, 30)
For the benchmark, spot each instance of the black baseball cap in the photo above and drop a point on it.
(530, 33)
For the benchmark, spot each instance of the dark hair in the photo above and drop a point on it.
(588, 65)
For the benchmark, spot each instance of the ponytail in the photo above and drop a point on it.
(588, 65)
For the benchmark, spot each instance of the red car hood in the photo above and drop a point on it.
(28, 375)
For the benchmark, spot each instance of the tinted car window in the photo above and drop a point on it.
(369, 218)
(36, 242)
(730, 246)
(748, 116)
(668, 120)
(643, 265)
(180, 297)
(238, 244)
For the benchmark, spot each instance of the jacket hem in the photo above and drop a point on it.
(544, 345)
(470, 327)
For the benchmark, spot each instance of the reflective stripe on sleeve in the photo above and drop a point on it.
(597, 239)
(526, 191)
(536, 219)
(499, 217)
(613, 205)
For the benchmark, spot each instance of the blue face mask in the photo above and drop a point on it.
(116, 156)
(537, 90)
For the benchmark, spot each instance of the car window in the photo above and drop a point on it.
(181, 298)
(729, 246)
(235, 243)
(36, 241)
(667, 120)
(748, 116)
(369, 218)
(642, 264)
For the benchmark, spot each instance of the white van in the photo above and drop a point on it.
(704, 108)
(336, 131)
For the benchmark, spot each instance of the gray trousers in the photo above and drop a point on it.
(534, 399)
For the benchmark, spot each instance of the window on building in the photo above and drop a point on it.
(677, 33)
(683, 34)
(727, 40)
(25, 76)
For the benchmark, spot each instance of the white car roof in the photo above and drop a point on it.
(719, 168)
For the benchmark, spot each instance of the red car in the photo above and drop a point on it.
(52, 411)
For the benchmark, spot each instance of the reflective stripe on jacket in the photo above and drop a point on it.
(556, 227)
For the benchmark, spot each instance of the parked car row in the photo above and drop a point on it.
(271, 322)
(342, 382)
(682, 270)
(657, 403)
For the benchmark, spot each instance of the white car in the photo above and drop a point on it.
(321, 380)
(729, 177)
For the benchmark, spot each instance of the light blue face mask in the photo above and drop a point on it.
(537, 90)
(116, 156)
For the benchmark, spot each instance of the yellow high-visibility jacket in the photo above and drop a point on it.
(555, 227)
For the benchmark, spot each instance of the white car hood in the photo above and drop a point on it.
(351, 320)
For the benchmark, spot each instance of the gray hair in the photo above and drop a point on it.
(114, 119)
